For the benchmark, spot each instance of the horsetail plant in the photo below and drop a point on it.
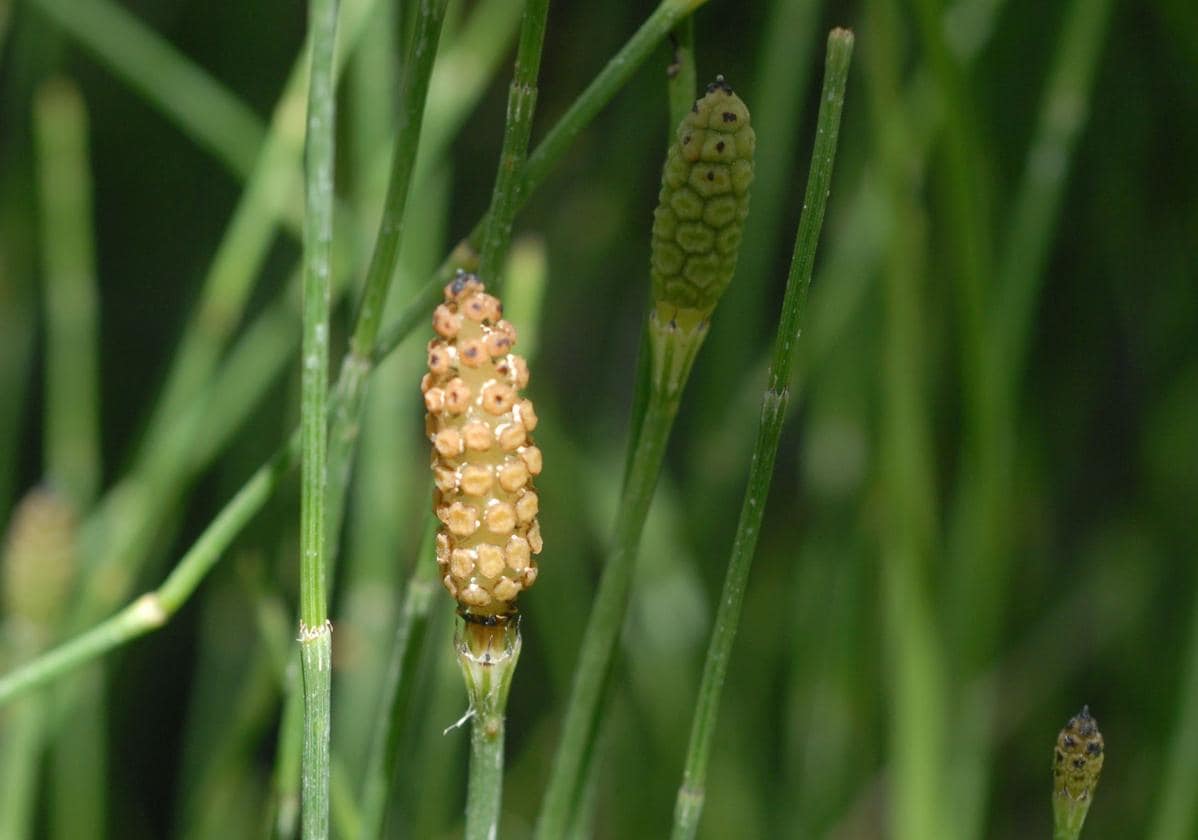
(696, 235)
(1076, 765)
(483, 465)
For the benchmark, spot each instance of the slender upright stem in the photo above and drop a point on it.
(967, 189)
(487, 654)
(773, 411)
(72, 450)
(681, 75)
(316, 641)
(20, 763)
(680, 87)
(484, 796)
(521, 107)
(72, 416)
(917, 727)
(607, 617)
(1175, 816)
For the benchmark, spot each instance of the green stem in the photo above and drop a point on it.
(917, 733)
(484, 797)
(773, 412)
(607, 617)
(22, 748)
(316, 655)
(72, 417)
(1062, 117)
(1067, 823)
(1176, 812)
(680, 88)
(79, 756)
(967, 189)
(488, 654)
(316, 634)
(521, 107)
(681, 75)
(614, 75)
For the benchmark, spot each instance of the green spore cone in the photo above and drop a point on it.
(1077, 763)
(702, 206)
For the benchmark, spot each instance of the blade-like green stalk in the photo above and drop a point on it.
(315, 631)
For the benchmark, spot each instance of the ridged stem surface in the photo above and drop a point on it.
(521, 107)
(315, 634)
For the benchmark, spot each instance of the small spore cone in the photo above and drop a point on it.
(1076, 764)
(39, 558)
(483, 458)
(1077, 759)
(702, 206)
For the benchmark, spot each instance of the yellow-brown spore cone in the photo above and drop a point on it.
(483, 456)
(1077, 759)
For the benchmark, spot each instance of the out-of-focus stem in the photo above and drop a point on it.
(920, 708)
(72, 423)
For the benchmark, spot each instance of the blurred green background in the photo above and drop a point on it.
(994, 429)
